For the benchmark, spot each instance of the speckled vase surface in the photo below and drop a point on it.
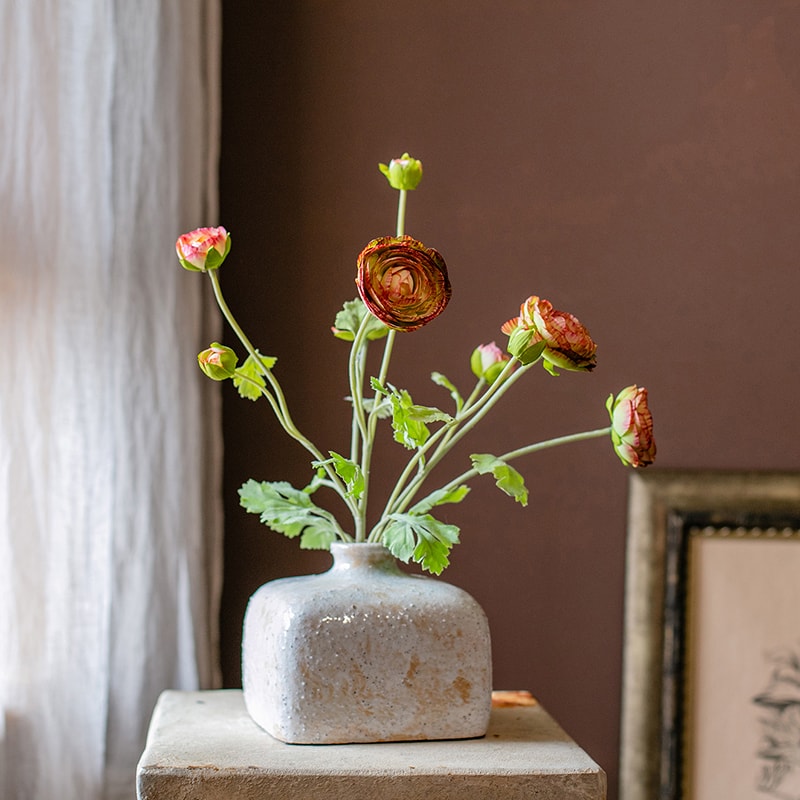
(366, 653)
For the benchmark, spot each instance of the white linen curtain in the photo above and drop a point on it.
(110, 517)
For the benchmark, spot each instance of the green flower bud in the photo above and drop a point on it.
(402, 173)
(218, 362)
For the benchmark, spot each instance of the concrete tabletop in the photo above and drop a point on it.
(203, 745)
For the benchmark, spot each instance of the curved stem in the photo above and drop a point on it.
(356, 378)
(533, 448)
(278, 400)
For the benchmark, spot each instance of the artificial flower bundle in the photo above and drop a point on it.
(403, 285)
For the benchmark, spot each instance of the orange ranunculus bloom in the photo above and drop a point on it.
(203, 248)
(402, 282)
(567, 343)
(632, 427)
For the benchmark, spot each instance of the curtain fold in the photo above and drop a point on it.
(110, 443)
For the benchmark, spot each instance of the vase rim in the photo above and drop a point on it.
(345, 545)
(349, 555)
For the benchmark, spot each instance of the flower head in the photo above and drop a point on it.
(403, 173)
(632, 426)
(203, 248)
(487, 362)
(218, 362)
(567, 343)
(402, 282)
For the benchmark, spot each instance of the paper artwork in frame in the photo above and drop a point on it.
(711, 679)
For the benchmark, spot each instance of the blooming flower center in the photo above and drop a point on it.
(399, 284)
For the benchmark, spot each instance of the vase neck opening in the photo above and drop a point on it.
(357, 555)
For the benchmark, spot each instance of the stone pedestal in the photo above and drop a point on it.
(204, 746)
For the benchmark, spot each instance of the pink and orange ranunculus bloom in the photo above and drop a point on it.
(632, 426)
(402, 282)
(567, 343)
(203, 248)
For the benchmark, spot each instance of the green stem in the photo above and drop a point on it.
(446, 437)
(368, 427)
(355, 369)
(355, 431)
(401, 212)
(533, 448)
(278, 400)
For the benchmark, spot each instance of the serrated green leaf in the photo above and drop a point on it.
(289, 511)
(410, 421)
(249, 379)
(443, 381)
(349, 319)
(400, 540)
(350, 473)
(432, 540)
(506, 477)
(439, 498)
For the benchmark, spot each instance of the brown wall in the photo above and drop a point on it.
(636, 163)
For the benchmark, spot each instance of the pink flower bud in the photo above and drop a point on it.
(567, 343)
(203, 249)
(632, 427)
(218, 362)
(487, 362)
(402, 282)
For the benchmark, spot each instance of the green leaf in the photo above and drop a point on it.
(400, 540)
(422, 538)
(384, 408)
(410, 421)
(441, 380)
(348, 471)
(439, 498)
(249, 379)
(289, 511)
(506, 477)
(349, 319)
(382, 411)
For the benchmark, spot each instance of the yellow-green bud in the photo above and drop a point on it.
(218, 362)
(402, 173)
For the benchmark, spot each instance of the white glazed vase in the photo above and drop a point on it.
(366, 653)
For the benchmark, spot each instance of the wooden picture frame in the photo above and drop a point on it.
(686, 530)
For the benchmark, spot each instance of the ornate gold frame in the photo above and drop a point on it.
(664, 505)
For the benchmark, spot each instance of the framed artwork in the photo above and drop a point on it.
(711, 675)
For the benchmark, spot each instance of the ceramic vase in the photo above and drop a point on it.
(366, 653)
